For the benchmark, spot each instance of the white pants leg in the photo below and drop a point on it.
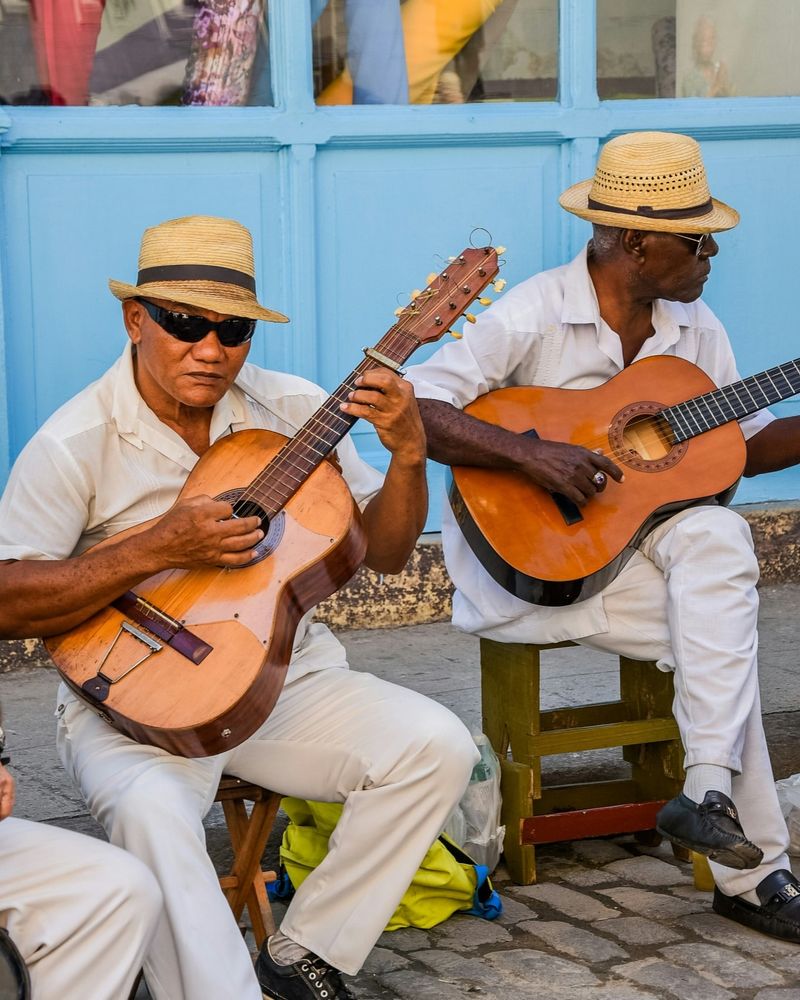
(398, 761)
(80, 911)
(690, 602)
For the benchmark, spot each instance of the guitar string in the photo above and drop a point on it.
(396, 340)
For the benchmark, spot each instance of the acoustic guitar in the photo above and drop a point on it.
(193, 661)
(662, 420)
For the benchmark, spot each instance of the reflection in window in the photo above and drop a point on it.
(697, 48)
(147, 52)
(434, 51)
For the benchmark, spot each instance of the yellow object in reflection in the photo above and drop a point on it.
(434, 31)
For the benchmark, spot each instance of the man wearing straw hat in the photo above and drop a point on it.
(117, 455)
(687, 598)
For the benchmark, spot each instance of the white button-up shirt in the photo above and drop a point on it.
(548, 331)
(104, 462)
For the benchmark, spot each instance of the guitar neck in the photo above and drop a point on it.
(321, 433)
(732, 402)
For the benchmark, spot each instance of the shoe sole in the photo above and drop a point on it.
(728, 857)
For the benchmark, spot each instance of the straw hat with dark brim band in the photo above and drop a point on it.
(650, 180)
(199, 261)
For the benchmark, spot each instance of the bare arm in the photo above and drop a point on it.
(456, 438)
(45, 597)
(394, 518)
(776, 446)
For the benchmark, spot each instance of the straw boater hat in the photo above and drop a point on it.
(650, 180)
(199, 261)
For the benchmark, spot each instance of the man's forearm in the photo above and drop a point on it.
(45, 597)
(456, 438)
(395, 517)
(775, 447)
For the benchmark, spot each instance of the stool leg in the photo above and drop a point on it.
(510, 700)
(248, 835)
(657, 768)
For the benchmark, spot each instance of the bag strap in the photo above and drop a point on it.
(15, 983)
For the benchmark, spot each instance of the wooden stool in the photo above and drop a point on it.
(641, 722)
(245, 885)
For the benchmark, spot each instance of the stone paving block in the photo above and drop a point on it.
(474, 975)
(789, 964)
(673, 980)
(383, 960)
(727, 932)
(650, 871)
(600, 852)
(465, 933)
(638, 930)
(723, 966)
(411, 985)
(406, 939)
(576, 941)
(588, 877)
(773, 994)
(514, 911)
(544, 974)
(652, 904)
(574, 904)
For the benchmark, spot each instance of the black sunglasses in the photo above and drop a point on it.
(190, 329)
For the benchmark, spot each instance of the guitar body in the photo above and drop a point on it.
(248, 617)
(516, 528)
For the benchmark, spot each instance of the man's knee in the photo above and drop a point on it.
(706, 529)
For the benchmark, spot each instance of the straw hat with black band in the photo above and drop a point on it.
(653, 181)
(200, 261)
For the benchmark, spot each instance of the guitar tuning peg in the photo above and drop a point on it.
(451, 259)
(431, 278)
(470, 318)
(499, 250)
(485, 301)
(455, 334)
(399, 311)
(415, 294)
(500, 284)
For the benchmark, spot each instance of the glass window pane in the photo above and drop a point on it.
(434, 51)
(697, 48)
(147, 52)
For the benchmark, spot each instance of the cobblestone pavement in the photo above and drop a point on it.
(608, 919)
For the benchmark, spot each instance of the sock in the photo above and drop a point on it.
(751, 896)
(284, 951)
(702, 778)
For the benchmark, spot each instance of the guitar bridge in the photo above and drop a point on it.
(99, 686)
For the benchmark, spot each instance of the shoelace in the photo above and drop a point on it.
(317, 971)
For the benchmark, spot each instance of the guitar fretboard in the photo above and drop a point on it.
(319, 435)
(732, 402)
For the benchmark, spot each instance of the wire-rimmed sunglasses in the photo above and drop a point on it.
(698, 238)
(191, 329)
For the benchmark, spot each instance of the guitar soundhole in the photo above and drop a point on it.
(273, 529)
(643, 440)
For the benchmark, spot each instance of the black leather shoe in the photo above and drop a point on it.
(711, 828)
(310, 977)
(779, 913)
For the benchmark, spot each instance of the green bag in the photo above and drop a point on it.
(447, 881)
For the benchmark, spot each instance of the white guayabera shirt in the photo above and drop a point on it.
(104, 462)
(548, 331)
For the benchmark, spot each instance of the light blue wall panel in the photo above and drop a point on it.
(386, 219)
(73, 222)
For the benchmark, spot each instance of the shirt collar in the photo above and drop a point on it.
(580, 306)
(129, 411)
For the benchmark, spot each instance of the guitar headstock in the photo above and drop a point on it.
(433, 310)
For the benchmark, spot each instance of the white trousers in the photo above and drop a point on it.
(80, 911)
(397, 760)
(688, 600)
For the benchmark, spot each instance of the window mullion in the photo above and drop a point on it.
(577, 53)
(290, 55)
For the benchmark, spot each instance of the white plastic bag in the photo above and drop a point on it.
(475, 822)
(788, 790)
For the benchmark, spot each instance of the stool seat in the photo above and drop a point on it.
(245, 884)
(641, 722)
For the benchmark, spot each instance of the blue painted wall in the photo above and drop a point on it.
(353, 207)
